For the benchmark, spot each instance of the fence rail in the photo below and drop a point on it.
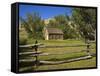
(51, 46)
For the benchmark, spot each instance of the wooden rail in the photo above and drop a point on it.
(51, 46)
(30, 45)
(30, 53)
(61, 46)
(65, 61)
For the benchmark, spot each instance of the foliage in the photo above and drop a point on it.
(33, 25)
(85, 18)
(22, 40)
(23, 37)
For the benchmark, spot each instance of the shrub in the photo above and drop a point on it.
(22, 36)
(22, 40)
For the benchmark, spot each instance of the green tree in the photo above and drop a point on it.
(65, 23)
(85, 19)
(33, 25)
(53, 23)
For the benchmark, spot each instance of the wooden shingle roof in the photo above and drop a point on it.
(54, 31)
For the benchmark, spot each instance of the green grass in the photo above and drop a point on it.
(55, 42)
(62, 57)
(68, 54)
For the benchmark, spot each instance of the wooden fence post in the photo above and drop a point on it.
(88, 48)
(36, 49)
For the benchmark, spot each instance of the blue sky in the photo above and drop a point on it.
(44, 11)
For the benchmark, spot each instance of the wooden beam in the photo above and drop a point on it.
(65, 61)
(30, 45)
(27, 60)
(29, 53)
(78, 45)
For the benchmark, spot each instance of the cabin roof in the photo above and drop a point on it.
(54, 31)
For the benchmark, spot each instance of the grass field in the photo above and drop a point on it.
(68, 53)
